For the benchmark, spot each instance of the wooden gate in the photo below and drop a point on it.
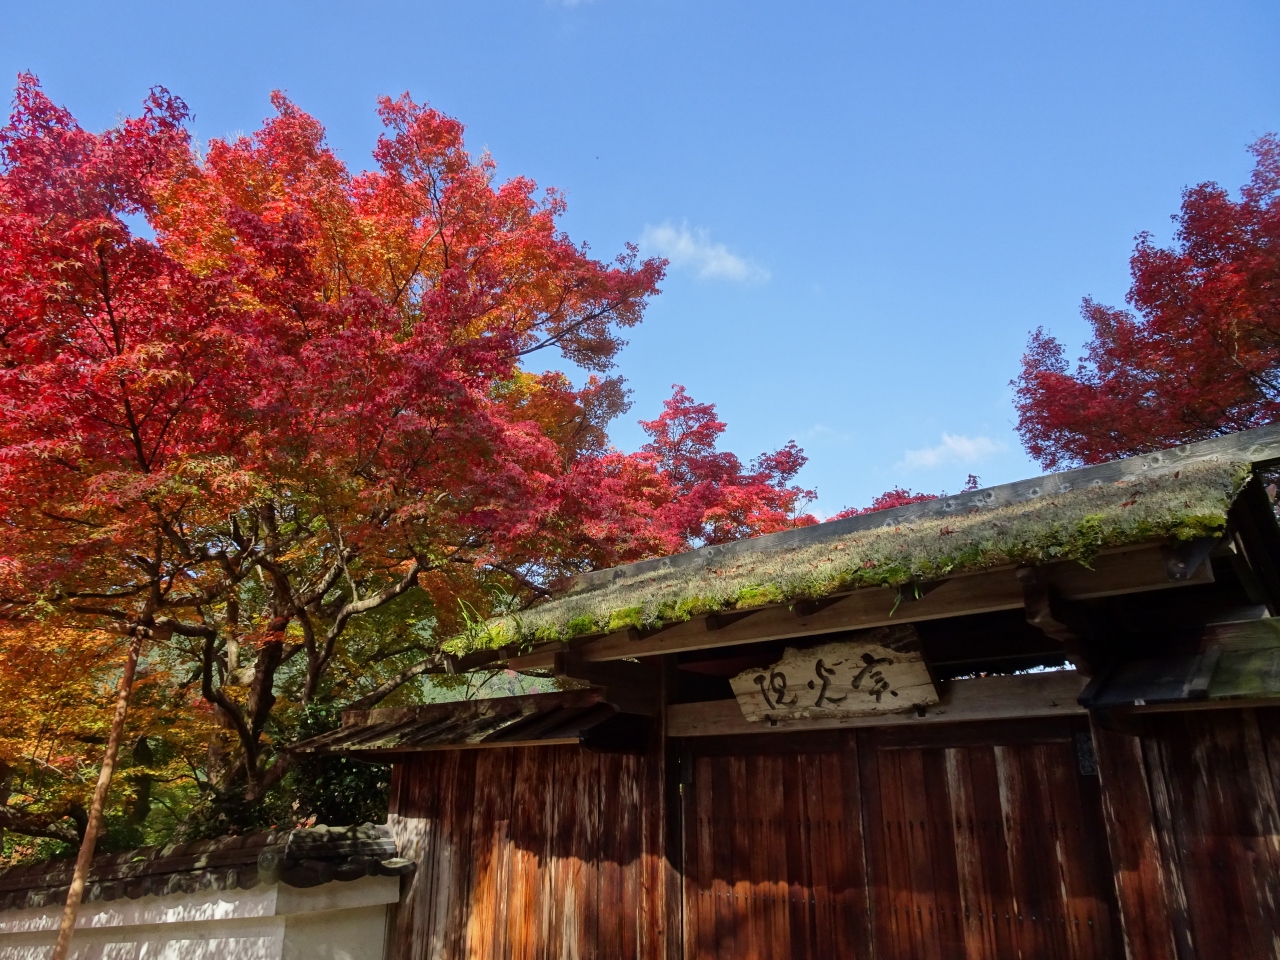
(987, 841)
(773, 860)
(528, 853)
(976, 841)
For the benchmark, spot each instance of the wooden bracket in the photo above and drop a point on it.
(631, 686)
(807, 608)
(1058, 618)
(1183, 559)
(724, 618)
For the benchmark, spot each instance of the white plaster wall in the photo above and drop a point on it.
(335, 921)
(337, 935)
(253, 939)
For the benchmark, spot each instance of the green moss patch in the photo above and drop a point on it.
(1074, 525)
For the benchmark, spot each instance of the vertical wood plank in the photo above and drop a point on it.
(701, 905)
(1268, 721)
(444, 791)
(530, 788)
(487, 835)
(855, 902)
(737, 800)
(1021, 820)
(1084, 887)
(1147, 917)
(661, 917)
(772, 846)
(874, 828)
(846, 848)
(922, 924)
(985, 788)
(407, 829)
(1165, 798)
(529, 853)
(557, 907)
(615, 911)
(756, 772)
(720, 819)
(669, 922)
(586, 851)
(821, 856)
(980, 930)
(797, 860)
(636, 858)
(1217, 815)
(949, 924)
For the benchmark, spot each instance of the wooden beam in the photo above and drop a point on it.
(1243, 634)
(1123, 571)
(631, 687)
(401, 753)
(989, 698)
(1188, 706)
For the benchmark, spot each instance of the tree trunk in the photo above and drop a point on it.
(76, 893)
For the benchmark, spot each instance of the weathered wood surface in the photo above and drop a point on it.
(530, 853)
(1258, 446)
(853, 845)
(987, 698)
(985, 847)
(1216, 810)
(882, 672)
(1123, 571)
(937, 840)
(1194, 829)
(773, 857)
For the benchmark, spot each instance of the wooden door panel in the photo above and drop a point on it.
(1220, 824)
(534, 853)
(988, 845)
(773, 857)
(986, 850)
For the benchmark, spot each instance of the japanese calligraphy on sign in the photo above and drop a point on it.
(848, 679)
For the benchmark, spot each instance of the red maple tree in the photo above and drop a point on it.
(899, 497)
(1198, 355)
(302, 403)
(713, 498)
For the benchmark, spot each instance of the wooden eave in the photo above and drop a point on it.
(1137, 569)
(533, 720)
(1259, 447)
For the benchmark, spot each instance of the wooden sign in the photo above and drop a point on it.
(882, 671)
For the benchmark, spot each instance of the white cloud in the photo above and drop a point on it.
(952, 449)
(820, 431)
(694, 250)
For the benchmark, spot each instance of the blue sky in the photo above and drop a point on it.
(867, 205)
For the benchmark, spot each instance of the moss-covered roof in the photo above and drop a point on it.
(1072, 515)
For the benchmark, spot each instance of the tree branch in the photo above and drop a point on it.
(317, 664)
(572, 327)
(437, 663)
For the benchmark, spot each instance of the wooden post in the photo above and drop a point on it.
(74, 895)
